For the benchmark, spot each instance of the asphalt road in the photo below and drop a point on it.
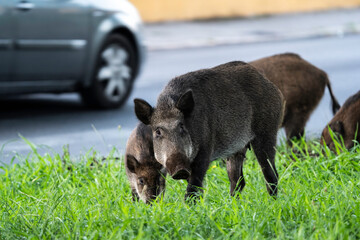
(52, 121)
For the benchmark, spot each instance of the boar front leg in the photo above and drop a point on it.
(294, 124)
(234, 167)
(198, 170)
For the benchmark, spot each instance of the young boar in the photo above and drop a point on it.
(215, 113)
(146, 175)
(302, 85)
(346, 123)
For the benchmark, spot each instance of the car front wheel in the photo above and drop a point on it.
(114, 74)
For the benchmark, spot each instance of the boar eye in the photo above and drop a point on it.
(141, 181)
(158, 132)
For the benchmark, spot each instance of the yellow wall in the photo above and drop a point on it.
(169, 10)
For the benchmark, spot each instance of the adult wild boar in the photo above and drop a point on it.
(302, 85)
(146, 175)
(345, 123)
(215, 113)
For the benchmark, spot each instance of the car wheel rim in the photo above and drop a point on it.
(115, 72)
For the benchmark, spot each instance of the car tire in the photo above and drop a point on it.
(113, 75)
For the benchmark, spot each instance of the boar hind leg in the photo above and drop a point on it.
(234, 167)
(264, 149)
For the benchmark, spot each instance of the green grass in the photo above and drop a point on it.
(54, 198)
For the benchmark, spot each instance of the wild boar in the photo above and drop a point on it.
(302, 85)
(345, 123)
(146, 175)
(215, 113)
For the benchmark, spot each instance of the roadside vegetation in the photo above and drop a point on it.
(55, 197)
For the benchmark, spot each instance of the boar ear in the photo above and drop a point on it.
(131, 163)
(143, 110)
(337, 127)
(186, 103)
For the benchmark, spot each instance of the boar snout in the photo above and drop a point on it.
(151, 198)
(178, 166)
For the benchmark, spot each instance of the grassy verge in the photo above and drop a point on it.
(53, 198)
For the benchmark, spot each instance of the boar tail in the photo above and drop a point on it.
(335, 103)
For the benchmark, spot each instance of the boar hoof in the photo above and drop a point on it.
(181, 174)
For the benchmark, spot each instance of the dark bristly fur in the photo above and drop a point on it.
(345, 123)
(302, 85)
(146, 175)
(215, 113)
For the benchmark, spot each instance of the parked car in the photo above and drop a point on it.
(94, 47)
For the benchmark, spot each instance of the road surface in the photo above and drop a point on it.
(52, 121)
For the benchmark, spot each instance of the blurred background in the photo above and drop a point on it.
(188, 10)
(84, 61)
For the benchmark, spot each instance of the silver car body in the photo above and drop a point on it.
(52, 45)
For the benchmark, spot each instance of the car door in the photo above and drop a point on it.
(6, 39)
(51, 40)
